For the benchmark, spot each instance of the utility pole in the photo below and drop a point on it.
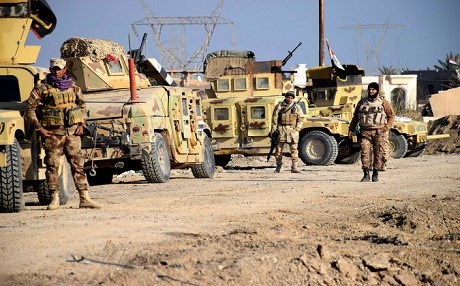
(321, 32)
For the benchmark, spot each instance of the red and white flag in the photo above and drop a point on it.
(453, 62)
(334, 60)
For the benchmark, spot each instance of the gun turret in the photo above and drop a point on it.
(286, 59)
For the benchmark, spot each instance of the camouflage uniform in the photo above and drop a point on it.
(60, 112)
(287, 119)
(375, 117)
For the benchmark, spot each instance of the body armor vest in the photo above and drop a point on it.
(372, 113)
(288, 117)
(59, 108)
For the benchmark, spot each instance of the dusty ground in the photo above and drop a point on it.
(248, 226)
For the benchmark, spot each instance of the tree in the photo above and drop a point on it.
(388, 70)
(448, 62)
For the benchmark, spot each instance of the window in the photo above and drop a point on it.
(302, 105)
(9, 89)
(239, 84)
(114, 66)
(262, 83)
(184, 106)
(221, 114)
(258, 112)
(223, 85)
(198, 107)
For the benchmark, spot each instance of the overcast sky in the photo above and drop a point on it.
(424, 30)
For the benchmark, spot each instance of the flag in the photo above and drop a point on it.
(453, 62)
(334, 60)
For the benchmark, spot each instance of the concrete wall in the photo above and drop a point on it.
(446, 102)
(390, 82)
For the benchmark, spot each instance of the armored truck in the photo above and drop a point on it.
(21, 155)
(132, 123)
(240, 105)
(334, 92)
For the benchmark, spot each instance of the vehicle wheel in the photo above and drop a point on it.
(418, 151)
(11, 189)
(208, 167)
(398, 145)
(222, 160)
(156, 165)
(318, 148)
(103, 176)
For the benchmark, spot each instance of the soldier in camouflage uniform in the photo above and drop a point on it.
(287, 119)
(375, 117)
(61, 121)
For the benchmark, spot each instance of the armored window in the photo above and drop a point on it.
(198, 107)
(10, 10)
(114, 66)
(9, 89)
(258, 112)
(184, 106)
(223, 85)
(262, 83)
(302, 105)
(321, 95)
(221, 114)
(239, 84)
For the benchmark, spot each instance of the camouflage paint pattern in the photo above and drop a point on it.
(372, 141)
(70, 146)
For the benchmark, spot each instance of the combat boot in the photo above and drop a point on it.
(375, 175)
(294, 168)
(278, 168)
(366, 177)
(54, 204)
(86, 202)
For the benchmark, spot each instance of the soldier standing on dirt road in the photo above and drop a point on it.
(375, 117)
(62, 115)
(287, 119)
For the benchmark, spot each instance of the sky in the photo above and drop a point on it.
(420, 32)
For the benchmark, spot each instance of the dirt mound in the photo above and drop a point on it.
(444, 125)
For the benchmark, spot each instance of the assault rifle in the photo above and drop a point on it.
(274, 138)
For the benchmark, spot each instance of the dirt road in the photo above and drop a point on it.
(248, 226)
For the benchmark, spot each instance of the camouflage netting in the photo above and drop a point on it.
(96, 49)
(222, 62)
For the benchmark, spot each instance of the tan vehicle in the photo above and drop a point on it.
(21, 155)
(148, 128)
(333, 92)
(240, 105)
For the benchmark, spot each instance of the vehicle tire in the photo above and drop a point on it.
(418, 151)
(208, 167)
(222, 160)
(398, 145)
(318, 148)
(156, 165)
(11, 188)
(103, 176)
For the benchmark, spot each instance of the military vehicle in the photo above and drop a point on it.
(333, 92)
(240, 105)
(133, 124)
(21, 155)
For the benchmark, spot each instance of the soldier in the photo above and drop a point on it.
(375, 117)
(287, 119)
(62, 112)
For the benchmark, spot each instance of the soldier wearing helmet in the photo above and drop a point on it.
(375, 117)
(287, 119)
(60, 107)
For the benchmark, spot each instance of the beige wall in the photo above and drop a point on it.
(390, 82)
(446, 102)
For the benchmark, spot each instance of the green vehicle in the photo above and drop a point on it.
(240, 105)
(334, 92)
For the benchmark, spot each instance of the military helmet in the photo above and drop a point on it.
(289, 93)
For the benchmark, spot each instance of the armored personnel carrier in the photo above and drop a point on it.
(21, 155)
(240, 105)
(334, 92)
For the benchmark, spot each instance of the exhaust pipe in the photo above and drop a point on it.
(132, 80)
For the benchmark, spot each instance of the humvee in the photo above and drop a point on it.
(21, 155)
(240, 105)
(132, 123)
(334, 92)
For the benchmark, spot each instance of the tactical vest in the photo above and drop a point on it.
(372, 113)
(59, 108)
(288, 117)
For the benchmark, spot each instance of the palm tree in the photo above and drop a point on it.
(388, 70)
(447, 63)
